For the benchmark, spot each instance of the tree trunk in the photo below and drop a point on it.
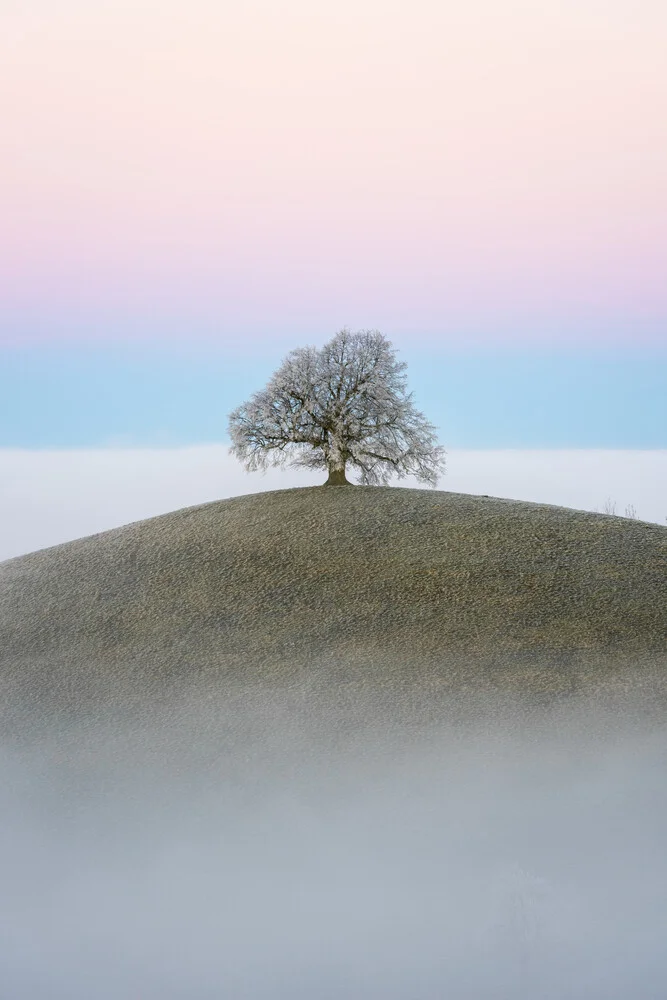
(337, 478)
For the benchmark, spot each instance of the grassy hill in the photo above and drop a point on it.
(381, 590)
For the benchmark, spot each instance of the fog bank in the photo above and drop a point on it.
(50, 497)
(273, 847)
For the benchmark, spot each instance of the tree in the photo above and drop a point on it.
(345, 404)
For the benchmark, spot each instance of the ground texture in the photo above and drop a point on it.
(364, 588)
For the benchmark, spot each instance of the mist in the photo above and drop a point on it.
(286, 844)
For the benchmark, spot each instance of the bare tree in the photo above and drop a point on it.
(610, 508)
(344, 404)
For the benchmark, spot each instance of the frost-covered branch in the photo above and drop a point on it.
(345, 404)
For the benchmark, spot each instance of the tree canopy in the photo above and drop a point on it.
(345, 404)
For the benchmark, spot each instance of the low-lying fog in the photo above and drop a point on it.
(264, 850)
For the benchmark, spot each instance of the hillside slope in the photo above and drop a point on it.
(367, 587)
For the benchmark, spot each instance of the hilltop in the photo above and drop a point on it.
(361, 589)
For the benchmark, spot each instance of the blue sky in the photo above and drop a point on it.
(82, 397)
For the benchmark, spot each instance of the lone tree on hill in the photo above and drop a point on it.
(345, 404)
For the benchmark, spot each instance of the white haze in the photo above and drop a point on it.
(261, 848)
(48, 497)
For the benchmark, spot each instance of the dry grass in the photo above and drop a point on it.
(373, 589)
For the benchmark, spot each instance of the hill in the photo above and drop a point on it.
(362, 589)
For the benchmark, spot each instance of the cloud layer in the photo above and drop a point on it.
(48, 497)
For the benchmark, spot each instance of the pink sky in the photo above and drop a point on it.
(494, 165)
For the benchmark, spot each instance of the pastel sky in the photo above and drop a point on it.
(492, 170)
(188, 189)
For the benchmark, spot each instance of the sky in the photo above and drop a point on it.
(189, 190)
(490, 171)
